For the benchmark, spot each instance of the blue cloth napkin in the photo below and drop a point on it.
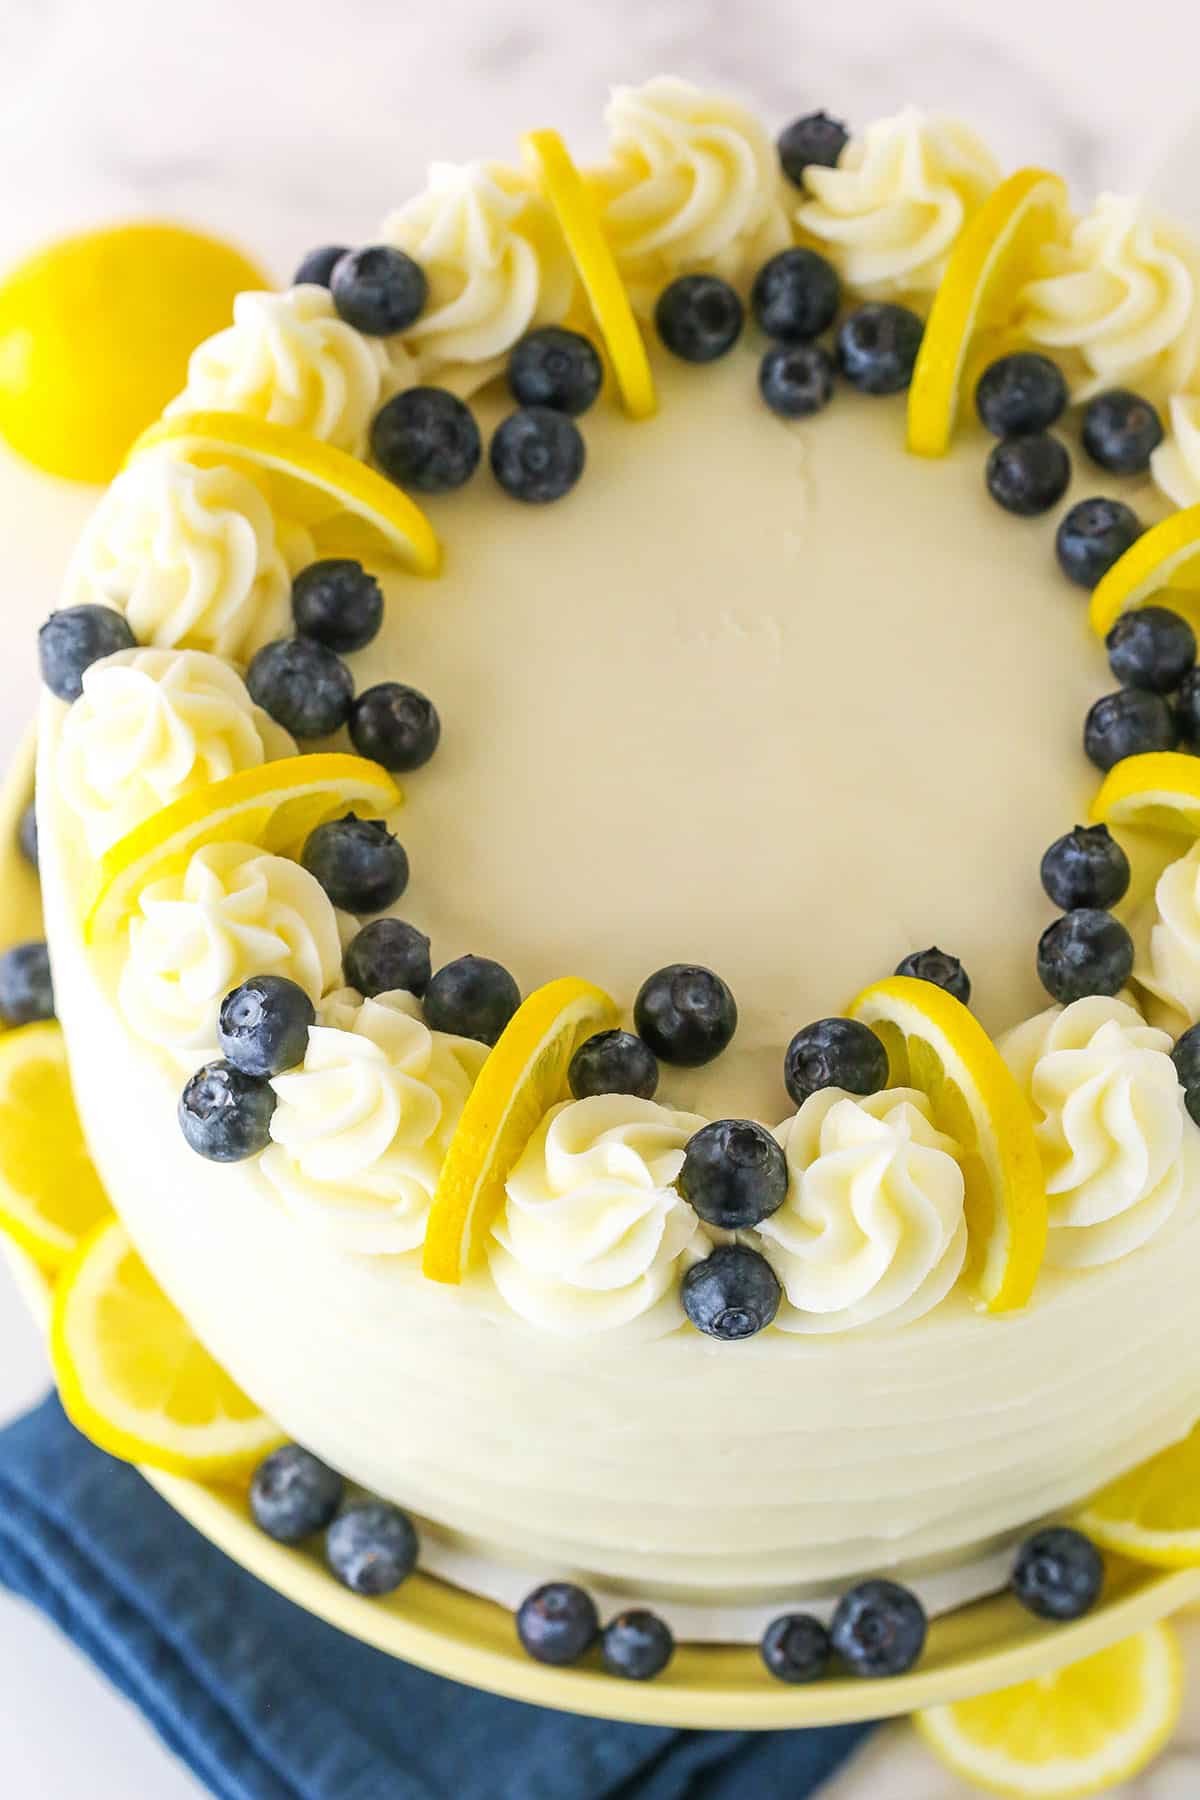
(263, 1702)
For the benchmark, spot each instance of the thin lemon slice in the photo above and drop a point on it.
(275, 805)
(579, 221)
(987, 268)
(935, 1044)
(1159, 791)
(524, 1076)
(50, 1195)
(1064, 1736)
(133, 1377)
(1152, 1514)
(350, 509)
(1154, 561)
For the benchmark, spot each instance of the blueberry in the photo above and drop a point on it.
(557, 1623)
(26, 989)
(878, 1629)
(816, 138)
(226, 1115)
(1187, 710)
(1020, 393)
(686, 1014)
(395, 725)
(796, 380)
(1086, 868)
(1186, 1057)
(358, 862)
(1092, 536)
(1128, 723)
(555, 368)
(1151, 648)
(938, 966)
(426, 439)
(378, 290)
(795, 296)
(262, 1026)
(613, 1062)
(27, 835)
(305, 687)
(471, 997)
(388, 955)
(699, 318)
(73, 639)
(637, 1645)
(1085, 952)
(877, 347)
(796, 1647)
(1120, 430)
(537, 455)
(338, 603)
(732, 1294)
(1028, 475)
(1058, 1574)
(317, 267)
(294, 1494)
(734, 1174)
(372, 1548)
(837, 1053)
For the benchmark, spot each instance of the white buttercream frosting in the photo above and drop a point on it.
(1175, 465)
(1166, 938)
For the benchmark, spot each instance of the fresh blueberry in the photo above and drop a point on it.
(27, 835)
(358, 862)
(1058, 1574)
(732, 1294)
(1151, 648)
(262, 1026)
(1092, 536)
(395, 725)
(1128, 723)
(305, 687)
(226, 1115)
(699, 318)
(1120, 431)
(372, 1548)
(636, 1645)
(537, 455)
(839, 1053)
(294, 1494)
(686, 1014)
(378, 290)
(73, 639)
(734, 1174)
(796, 1648)
(388, 955)
(1187, 710)
(877, 347)
(338, 603)
(816, 138)
(557, 1623)
(426, 439)
(317, 268)
(1020, 393)
(26, 990)
(938, 966)
(1086, 868)
(471, 997)
(1028, 475)
(556, 368)
(613, 1062)
(796, 380)
(1085, 952)
(1186, 1057)
(878, 1629)
(795, 296)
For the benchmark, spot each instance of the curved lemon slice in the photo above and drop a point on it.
(1067, 1735)
(986, 270)
(1154, 561)
(525, 1075)
(1152, 1514)
(579, 221)
(935, 1044)
(350, 509)
(50, 1195)
(1159, 791)
(275, 806)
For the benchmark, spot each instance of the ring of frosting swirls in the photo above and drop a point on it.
(1166, 940)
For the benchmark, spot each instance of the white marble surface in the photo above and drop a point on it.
(287, 122)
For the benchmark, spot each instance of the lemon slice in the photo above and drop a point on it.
(1152, 1514)
(350, 509)
(1063, 1736)
(935, 1044)
(987, 268)
(50, 1195)
(579, 221)
(1154, 561)
(276, 805)
(524, 1076)
(135, 1380)
(1159, 791)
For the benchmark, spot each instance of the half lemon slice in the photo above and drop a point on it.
(1159, 791)
(1152, 1514)
(50, 1195)
(935, 1044)
(1159, 558)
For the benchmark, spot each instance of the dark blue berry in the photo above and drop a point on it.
(26, 990)
(795, 296)
(262, 1027)
(73, 639)
(1187, 710)
(1092, 536)
(378, 290)
(839, 1053)
(734, 1174)
(1186, 1057)
(358, 862)
(1085, 952)
(699, 318)
(555, 368)
(1151, 648)
(226, 1115)
(816, 138)
(877, 347)
(637, 1645)
(796, 1648)
(471, 997)
(387, 955)
(878, 1629)
(338, 603)
(732, 1294)
(1058, 1574)
(686, 1014)
(294, 1494)
(1130, 722)
(372, 1548)
(1020, 393)
(1028, 475)
(27, 835)
(1120, 430)
(938, 966)
(426, 439)
(613, 1062)
(395, 725)
(1086, 868)
(305, 687)
(317, 268)
(557, 1623)
(537, 455)
(796, 380)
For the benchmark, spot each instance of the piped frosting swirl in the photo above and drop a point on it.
(1166, 937)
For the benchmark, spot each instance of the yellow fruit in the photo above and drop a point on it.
(934, 1043)
(987, 269)
(523, 1077)
(1064, 1736)
(1152, 1514)
(350, 509)
(135, 1380)
(1159, 558)
(50, 1195)
(276, 805)
(95, 335)
(1159, 791)
(579, 220)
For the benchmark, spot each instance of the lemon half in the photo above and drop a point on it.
(50, 1195)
